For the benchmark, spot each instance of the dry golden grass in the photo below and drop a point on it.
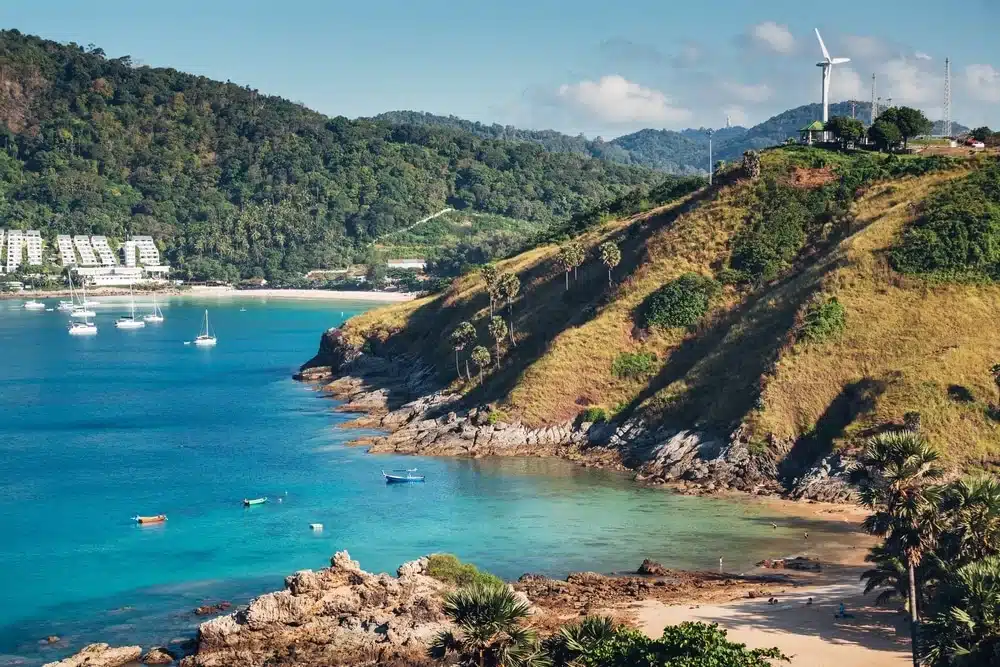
(905, 345)
(907, 340)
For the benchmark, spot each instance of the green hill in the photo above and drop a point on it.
(836, 296)
(234, 183)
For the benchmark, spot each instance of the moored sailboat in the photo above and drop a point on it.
(156, 315)
(205, 338)
(130, 321)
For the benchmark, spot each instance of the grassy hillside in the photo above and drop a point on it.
(235, 183)
(810, 336)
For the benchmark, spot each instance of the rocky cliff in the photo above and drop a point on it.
(396, 393)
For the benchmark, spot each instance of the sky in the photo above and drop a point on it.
(582, 66)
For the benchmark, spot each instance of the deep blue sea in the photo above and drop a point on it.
(96, 430)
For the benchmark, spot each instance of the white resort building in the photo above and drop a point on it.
(15, 239)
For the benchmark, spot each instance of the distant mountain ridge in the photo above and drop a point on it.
(683, 152)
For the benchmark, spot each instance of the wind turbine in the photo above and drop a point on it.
(827, 66)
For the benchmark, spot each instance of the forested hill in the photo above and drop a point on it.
(683, 152)
(232, 183)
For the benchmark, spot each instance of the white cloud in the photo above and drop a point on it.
(846, 84)
(772, 36)
(737, 115)
(908, 83)
(614, 99)
(983, 82)
(920, 55)
(748, 92)
(862, 46)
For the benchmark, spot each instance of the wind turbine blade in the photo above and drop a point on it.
(826, 54)
(840, 61)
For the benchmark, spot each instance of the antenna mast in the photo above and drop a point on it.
(947, 97)
(874, 102)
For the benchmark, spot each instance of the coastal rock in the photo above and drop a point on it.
(341, 615)
(800, 563)
(158, 656)
(651, 567)
(101, 655)
(827, 481)
(208, 609)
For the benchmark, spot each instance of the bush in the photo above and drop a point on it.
(496, 416)
(681, 302)
(631, 365)
(449, 569)
(593, 415)
(823, 320)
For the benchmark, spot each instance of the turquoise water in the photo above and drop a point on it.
(96, 430)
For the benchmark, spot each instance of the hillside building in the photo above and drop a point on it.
(409, 264)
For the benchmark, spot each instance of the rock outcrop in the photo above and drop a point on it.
(101, 655)
(341, 615)
(398, 394)
(158, 656)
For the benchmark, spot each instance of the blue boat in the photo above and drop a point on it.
(402, 476)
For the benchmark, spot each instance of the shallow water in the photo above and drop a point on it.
(96, 430)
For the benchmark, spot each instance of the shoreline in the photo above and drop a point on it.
(293, 294)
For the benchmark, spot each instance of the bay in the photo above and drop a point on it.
(96, 430)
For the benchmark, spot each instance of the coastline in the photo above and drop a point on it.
(299, 294)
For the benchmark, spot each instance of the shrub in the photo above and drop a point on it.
(681, 302)
(594, 415)
(496, 416)
(823, 320)
(630, 365)
(449, 569)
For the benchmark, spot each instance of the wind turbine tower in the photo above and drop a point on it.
(947, 97)
(827, 65)
(874, 102)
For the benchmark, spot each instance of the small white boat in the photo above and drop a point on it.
(156, 315)
(34, 305)
(66, 306)
(89, 304)
(130, 321)
(82, 329)
(205, 338)
(82, 312)
(316, 526)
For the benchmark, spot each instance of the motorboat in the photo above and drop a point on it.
(249, 502)
(145, 520)
(402, 476)
(34, 305)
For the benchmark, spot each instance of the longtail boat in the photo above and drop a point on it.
(247, 502)
(159, 518)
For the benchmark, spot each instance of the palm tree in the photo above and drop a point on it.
(611, 256)
(498, 329)
(488, 630)
(489, 274)
(463, 335)
(972, 506)
(509, 285)
(566, 261)
(574, 642)
(481, 358)
(966, 629)
(905, 509)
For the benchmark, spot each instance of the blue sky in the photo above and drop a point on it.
(586, 66)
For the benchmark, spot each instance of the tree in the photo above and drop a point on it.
(966, 629)
(846, 130)
(972, 510)
(904, 506)
(498, 329)
(611, 256)
(510, 285)
(909, 121)
(981, 133)
(463, 335)
(885, 135)
(488, 629)
(375, 274)
(751, 165)
(481, 358)
(489, 274)
(571, 256)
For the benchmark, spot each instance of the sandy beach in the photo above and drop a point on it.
(302, 294)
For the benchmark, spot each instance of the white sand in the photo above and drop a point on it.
(312, 294)
(808, 634)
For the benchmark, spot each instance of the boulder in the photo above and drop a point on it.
(342, 561)
(101, 655)
(413, 567)
(158, 656)
(651, 567)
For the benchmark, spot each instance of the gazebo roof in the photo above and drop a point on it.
(815, 126)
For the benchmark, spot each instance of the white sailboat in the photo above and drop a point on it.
(34, 304)
(130, 322)
(205, 338)
(82, 310)
(68, 306)
(85, 328)
(156, 315)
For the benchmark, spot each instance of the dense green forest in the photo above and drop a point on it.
(233, 183)
(683, 152)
